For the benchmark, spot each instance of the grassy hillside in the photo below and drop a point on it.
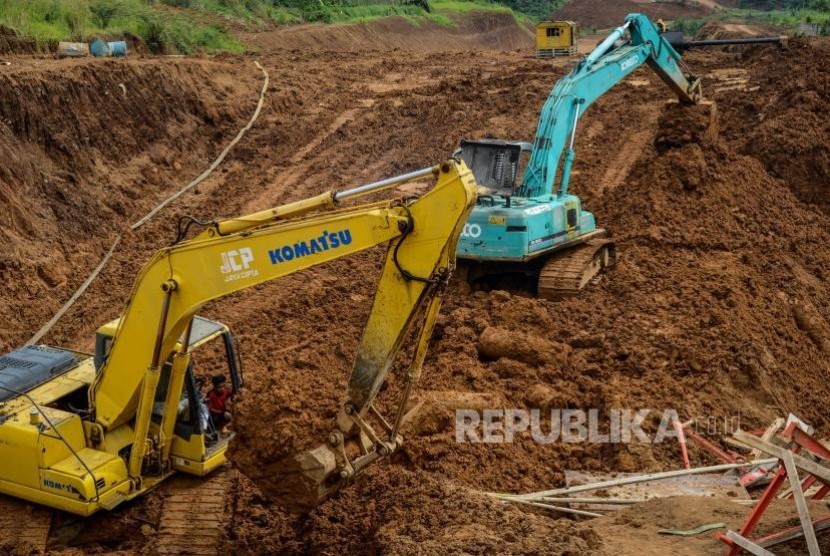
(167, 26)
(789, 19)
(201, 24)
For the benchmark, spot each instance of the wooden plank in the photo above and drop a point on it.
(797, 532)
(603, 501)
(801, 504)
(689, 485)
(747, 544)
(771, 431)
(633, 480)
(811, 467)
(554, 508)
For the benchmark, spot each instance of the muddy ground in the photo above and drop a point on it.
(718, 306)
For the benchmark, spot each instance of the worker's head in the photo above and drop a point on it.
(218, 381)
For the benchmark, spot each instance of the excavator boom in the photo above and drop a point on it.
(527, 226)
(607, 65)
(134, 434)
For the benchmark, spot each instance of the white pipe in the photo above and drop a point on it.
(638, 479)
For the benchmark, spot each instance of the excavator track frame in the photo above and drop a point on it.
(565, 274)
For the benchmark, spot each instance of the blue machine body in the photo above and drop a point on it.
(519, 218)
(526, 229)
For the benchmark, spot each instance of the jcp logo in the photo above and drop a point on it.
(234, 261)
(471, 230)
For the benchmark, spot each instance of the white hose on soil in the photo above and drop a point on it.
(216, 162)
(79, 292)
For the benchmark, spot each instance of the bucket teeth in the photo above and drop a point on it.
(565, 274)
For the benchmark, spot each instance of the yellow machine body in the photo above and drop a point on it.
(557, 38)
(109, 427)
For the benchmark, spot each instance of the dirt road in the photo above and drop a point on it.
(720, 237)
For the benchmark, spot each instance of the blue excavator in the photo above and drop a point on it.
(526, 224)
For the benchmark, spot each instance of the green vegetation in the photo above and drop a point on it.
(184, 26)
(445, 8)
(791, 5)
(785, 13)
(536, 10)
(162, 30)
(416, 11)
(791, 18)
(687, 26)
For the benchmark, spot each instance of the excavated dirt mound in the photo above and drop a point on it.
(491, 31)
(610, 13)
(784, 123)
(705, 314)
(395, 511)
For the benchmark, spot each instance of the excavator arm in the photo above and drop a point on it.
(233, 255)
(606, 66)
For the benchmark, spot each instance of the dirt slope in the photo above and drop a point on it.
(611, 13)
(87, 147)
(484, 30)
(718, 306)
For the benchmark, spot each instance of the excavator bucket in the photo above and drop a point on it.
(682, 124)
(300, 482)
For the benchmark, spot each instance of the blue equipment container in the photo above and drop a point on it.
(118, 48)
(100, 48)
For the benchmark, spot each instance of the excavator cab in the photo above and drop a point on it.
(496, 164)
(198, 447)
(509, 238)
(83, 433)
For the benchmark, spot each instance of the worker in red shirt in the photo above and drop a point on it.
(218, 400)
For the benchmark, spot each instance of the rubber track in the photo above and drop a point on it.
(195, 516)
(25, 523)
(567, 273)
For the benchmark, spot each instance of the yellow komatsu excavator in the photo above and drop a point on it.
(81, 433)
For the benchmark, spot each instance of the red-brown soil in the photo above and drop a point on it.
(610, 13)
(89, 146)
(492, 31)
(11, 42)
(718, 306)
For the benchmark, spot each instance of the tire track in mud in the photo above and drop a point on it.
(195, 515)
(621, 165)
(291, 177)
